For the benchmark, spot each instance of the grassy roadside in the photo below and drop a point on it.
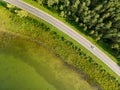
(22, 24)
(73, 27)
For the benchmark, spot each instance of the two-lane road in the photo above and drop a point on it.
(67, 30)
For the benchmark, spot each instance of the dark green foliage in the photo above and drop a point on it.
(3, 3)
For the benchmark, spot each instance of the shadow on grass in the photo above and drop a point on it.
(3, 3)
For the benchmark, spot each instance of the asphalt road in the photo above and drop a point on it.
(67, 30)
